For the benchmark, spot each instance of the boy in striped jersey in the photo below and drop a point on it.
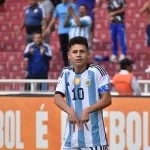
(87, 92)
(79, 25)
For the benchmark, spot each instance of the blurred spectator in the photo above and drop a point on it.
(39, 54)
(56, 2)
(146, 8)
(2, 5)
(92, 6)
(48, 7)
(79, 25)
(34, 20)
(116, 9)
(61, 13)
(124, 81)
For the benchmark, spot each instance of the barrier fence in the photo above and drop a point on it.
(35, 123)
(17, 86)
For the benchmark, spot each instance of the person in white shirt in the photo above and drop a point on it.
(87, 91)
(79, 25)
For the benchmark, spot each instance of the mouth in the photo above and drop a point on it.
(78, 60)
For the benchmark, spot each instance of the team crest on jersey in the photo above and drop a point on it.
(77, 81)
(87, 82)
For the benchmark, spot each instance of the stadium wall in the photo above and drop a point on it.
(35, 123)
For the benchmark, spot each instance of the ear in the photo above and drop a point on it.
(69, 56)
(89, 54)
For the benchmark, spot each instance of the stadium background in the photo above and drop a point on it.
(13, 66)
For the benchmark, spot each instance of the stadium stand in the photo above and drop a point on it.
(13, 65)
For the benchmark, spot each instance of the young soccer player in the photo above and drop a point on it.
(87, 92)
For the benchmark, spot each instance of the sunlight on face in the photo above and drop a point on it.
(78, 54)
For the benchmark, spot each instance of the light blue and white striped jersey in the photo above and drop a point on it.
(81, 91)
(84, 30)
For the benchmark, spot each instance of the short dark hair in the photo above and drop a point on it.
(78, 40)
(125, 63)
(85, 6)
(37, 32)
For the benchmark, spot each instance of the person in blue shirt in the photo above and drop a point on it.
(39, 54)
(61, 13)
(34, 20)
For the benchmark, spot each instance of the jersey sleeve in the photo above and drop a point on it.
(103, 80)
(123, 3)
(56, 14)
(61, 86)
(86, 22)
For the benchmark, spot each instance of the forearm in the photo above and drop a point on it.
(99, 3)
(44, 25)
(66, 21)
(119, 11)
(142, 10)
(22, 25)
(58, 100)
(52, 22)
(27, 54)
(101, 104)
(77, 20)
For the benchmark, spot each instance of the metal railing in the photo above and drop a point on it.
(16, 86)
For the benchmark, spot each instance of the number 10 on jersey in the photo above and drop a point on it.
(78, 94)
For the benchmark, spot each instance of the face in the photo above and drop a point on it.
(65, 1)
(78, 54)
(32, 2)
(130, 68)
(37, 39)
(82, 11)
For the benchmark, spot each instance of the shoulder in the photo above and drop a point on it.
(66, 70)
(98, 69)
(46, 45)
(87, 18)
(30, 44)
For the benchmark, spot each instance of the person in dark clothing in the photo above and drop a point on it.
(34, 20)
(60, 13)
(39, 54)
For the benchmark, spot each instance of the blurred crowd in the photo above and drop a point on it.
(77, 18)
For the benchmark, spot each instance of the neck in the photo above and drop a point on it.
(80, 69)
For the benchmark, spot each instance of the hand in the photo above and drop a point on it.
(31, 50)
(72, 117)
(42, 50)
(84, 118)
(70, 10)
(43, 35)
(111, 18)
(94, 10)
(112, 14)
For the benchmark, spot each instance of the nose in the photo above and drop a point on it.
(78, 54)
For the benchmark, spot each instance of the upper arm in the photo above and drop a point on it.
(135, 86)
(86, 22)
(48, 51)
(123, 3)
(56, 14)
(103, 81)
(144, 8)
(61, 86)
(43, 12)
(27, 48)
